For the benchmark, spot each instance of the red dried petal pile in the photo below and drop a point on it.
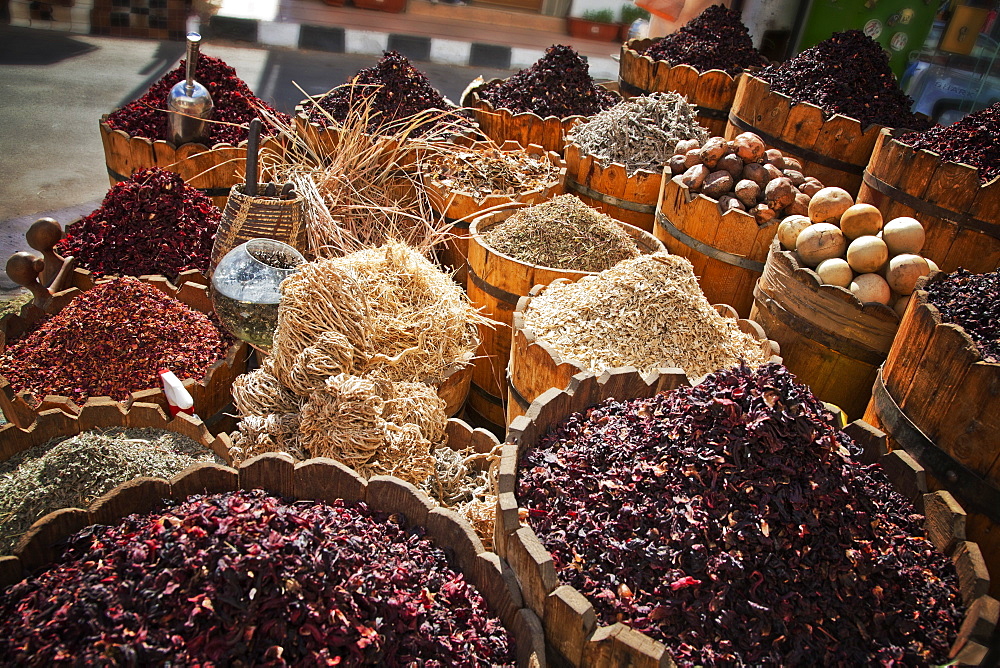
(112, 340)
(235, 105)
(151, 223)
(716, 39)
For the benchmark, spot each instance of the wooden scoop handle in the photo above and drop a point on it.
(43, 235)
(24, 268)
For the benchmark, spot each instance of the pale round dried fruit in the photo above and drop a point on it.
(867, 254)
(835, 271)
(860, 220)
(899, 306)
(904, 271)
(789, 229)
(871, 288)
(829, 204)
(932, 264)
(903, 235)
(820, 241)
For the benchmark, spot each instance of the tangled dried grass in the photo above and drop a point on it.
(466, 482)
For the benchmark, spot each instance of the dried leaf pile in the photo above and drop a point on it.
(73, 472)
(639, 133)
(361, 343)
(648, 313)
(563, 233)
(485, 170)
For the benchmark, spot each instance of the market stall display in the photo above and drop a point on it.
(615, 159)
(703, 61)
(945, 177)
(722, 208)
(265, 547)
(513, 250)
(825, 107)
(647, 313)
(463, 184)
(934, 400)
(624, 511)
(137, 135)
(539, 104)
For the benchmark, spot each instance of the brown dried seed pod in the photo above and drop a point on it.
(694, 177)
(763, 214)
(792, 163)
(713, 150)
(749, 147)
(773, 171)
(677, 164)
(756, 173)
(795, 176)
(779, 193)
(685, 145)
(747, 192)
(810, 186)
(692, 157)
(799, 207)
(718, 184)
(732, 164)
(773, 156)
(727, 202)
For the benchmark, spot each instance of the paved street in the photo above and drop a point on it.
(55, 86)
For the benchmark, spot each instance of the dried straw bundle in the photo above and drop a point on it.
(367, 192)
(466, 482)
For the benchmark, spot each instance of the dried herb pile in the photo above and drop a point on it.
(562, 233)
(971, 140)
(151, 223)
(112, 340)
(73, 472)
(648, 312)
(485, 170)
(557, 84)
(397, 89)
(731, 522)
(716, 39)
(245, 578)
(971, 301)
(640, 133)
(235, 105)
(846, 74)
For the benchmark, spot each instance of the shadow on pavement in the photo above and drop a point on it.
(19, 46)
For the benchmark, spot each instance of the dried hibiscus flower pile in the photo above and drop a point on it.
(235, 105)
(732, 523)
(244, 578)
(716, 39)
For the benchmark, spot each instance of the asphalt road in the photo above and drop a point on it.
(55, 86)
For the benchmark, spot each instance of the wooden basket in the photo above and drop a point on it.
(939, 401)
(726, 250)
(211, 393)
(245, 218)
(535, 366)
(496, 283)
(834, 150)
(572, 634)
(830, 340)
(960, 216)
(459, 207)
(315, 479)
(525, 127)
(212, 170)
(630, 198)
(712, 92)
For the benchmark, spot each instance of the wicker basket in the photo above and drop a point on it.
(246, 218)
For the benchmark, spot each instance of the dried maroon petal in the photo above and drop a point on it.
(716, 39)
(150, 223)
(742, 528)
(971, 301)
(972, 140)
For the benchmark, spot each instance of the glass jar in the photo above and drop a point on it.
(245, 288)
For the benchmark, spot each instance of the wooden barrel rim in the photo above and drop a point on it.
(705, 249)
(961, 220)
(475, 100)
(787, 147)
(974, 493)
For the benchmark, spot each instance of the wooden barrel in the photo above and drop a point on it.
(459, 207)
(535, 366)
(572, 633)
(630, 198)
(938, 400)
(525, 127)
(315, 479)
(727, 250)
(830, 340)
(712, 92)
(960, 215)
(211, 393)
(834, 150)
(496, 283)
(214, 171)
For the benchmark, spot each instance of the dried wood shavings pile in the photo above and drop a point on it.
(563, 233)
(465, 481)
(648, 313)
(486, 170)
(639, 133)
(72, 472)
